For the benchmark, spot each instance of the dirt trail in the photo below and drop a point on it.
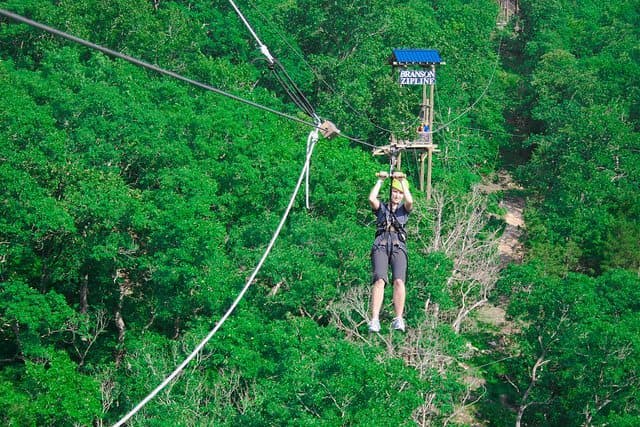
(510, 246)
(511, 249)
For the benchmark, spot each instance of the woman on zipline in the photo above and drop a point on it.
(389, 247)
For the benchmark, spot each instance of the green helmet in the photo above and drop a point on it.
(396, 184)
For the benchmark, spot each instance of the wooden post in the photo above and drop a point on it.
(425, 106)
(429, 156)
(422, 157)
(426, 59)
(425, 119)
(431, 90)
(428, 117)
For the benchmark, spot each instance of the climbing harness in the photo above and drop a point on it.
(389, 223)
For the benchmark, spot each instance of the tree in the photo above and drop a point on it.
(576, 359)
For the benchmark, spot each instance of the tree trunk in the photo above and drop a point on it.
(84, 291)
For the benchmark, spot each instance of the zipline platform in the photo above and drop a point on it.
(424, 144)
(416, 67)
(401, 145)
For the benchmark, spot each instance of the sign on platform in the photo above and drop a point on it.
(417, 77)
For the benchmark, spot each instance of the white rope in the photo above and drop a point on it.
(263, 48)
(311, 141)
(200, 346)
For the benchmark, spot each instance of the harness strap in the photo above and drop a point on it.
(391, 225)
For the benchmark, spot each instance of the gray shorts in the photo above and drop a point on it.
(381, 258)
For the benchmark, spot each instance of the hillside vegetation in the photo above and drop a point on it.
(134, 207)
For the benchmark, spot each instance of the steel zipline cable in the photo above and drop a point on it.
(444, 126)
(321, 78)
(279, 71)
(135, 61)
(147, 65)
(287, 82)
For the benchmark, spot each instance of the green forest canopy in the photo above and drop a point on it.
(134, 206)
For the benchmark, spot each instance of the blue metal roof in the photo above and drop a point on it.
(415, 56)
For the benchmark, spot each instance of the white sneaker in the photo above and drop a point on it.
(398, 324)
(374, 325)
